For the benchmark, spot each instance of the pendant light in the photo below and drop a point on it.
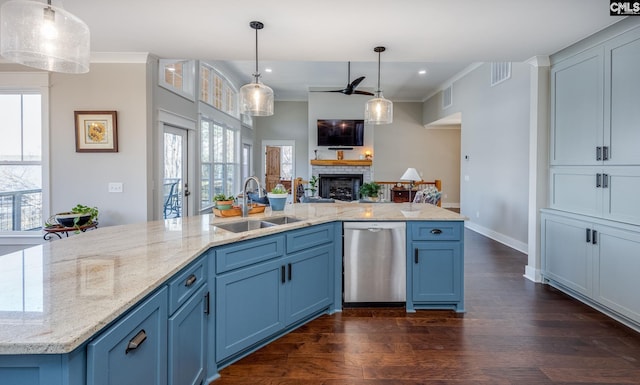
(44, 36)
(256, 99)
(378, 110)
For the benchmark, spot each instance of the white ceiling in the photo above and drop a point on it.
(308, 43)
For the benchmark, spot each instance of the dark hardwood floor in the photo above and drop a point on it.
(513, 332)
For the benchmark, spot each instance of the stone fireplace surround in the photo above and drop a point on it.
(361, 174)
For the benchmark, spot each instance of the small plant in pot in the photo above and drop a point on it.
(223, 202)
(80, 215)
(313, 185)
(370, 191)
(277, 197)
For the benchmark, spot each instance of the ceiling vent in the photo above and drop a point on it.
(447, 97)
(500, 72)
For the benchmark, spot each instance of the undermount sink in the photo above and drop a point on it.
(252, 224)
(282, 220)
(239, 227)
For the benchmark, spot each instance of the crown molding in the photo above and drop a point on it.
(119, 57)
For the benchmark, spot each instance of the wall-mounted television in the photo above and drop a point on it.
(340, 132)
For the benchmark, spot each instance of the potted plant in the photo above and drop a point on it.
(313, 185)
(223, 202)
(277, 197)
(370, 191)
(79, 215)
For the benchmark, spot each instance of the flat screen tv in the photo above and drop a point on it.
(340, 132)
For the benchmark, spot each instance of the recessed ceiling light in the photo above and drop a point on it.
(422, 72)
(267, 70)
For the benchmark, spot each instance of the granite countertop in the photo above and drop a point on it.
(55, 296)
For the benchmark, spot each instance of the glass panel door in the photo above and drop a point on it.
(175, 184)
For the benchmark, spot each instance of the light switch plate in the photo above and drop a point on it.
(115, 187)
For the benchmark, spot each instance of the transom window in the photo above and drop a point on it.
(178, 76)
(217, 91)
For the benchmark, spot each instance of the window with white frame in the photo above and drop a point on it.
(21, 161)
(217, 91)
(177, 76)
(220, 161)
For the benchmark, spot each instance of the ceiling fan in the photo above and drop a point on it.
(350, 89)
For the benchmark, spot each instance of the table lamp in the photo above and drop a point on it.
(411, 175)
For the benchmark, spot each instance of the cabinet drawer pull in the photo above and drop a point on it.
(416, 259)
(436, 231)
(594, 239)
(598, 180)
(605, 180)
(598, 153)
(588, 235)
(136, 341)
(283, 277)
(605, 153)
(190, 280)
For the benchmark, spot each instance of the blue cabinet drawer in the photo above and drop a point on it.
(309, 237)
(134, 349)
(186, 283)
(436, 231)
(248, 252)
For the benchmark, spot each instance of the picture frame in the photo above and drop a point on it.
(96, 131)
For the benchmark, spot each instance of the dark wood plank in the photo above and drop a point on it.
(514, 332)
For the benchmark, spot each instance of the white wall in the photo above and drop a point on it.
(495, 136)
(84, 177)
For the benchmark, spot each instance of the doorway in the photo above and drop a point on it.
(175, 184)
(278, 163)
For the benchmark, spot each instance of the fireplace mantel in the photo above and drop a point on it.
(343, 162)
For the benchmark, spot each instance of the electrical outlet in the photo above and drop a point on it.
(115, 187)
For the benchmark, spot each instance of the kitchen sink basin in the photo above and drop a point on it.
(282, 220)
(241, 226)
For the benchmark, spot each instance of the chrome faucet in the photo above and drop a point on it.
(245, 209)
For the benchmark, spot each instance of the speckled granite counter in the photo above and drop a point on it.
(56, 296)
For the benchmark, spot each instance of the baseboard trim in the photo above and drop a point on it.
(532, 274)
(505, 240)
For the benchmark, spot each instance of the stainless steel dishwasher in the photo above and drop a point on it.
(374, 263)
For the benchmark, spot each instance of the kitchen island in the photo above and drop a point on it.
(89, 282)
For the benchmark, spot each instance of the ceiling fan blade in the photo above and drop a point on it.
(355, 83)
(363, 93)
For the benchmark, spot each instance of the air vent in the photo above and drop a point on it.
(500, 72)
(447, 97)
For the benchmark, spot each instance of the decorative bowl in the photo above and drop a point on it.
(69, 219)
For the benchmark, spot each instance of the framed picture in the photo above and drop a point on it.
(96, 131)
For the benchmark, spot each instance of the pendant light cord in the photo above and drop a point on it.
(378, 74)
(256, 74)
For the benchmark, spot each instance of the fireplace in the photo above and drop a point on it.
(343, 187)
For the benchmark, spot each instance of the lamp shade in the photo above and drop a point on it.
(43, 36)
(378, 110)
(411, 175)
(256, 99)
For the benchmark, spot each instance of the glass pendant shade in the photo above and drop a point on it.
(256, 99)
(378, 110)
(43, 36)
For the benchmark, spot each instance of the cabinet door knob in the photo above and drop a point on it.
(190, 280)
(136, 341)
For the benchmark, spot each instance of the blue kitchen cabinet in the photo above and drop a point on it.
(249, 307)
(435, 265)
(189, 314)
(134, 350)
(188, 338)
(309, 282)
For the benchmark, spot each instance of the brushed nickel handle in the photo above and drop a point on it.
(190, 280)
(136, 341)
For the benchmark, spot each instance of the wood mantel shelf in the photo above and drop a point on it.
(343, 162)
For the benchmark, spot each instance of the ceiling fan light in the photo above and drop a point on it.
(378, 110)
(256, 99)
(43, 36)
